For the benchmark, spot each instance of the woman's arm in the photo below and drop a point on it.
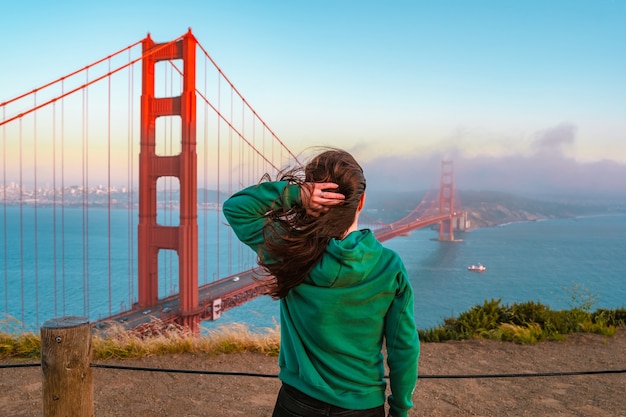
(403, 348)
(246, 211)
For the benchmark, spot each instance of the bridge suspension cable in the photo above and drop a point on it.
(70, 177)
(70, 188)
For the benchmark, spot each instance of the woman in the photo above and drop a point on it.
(341, 292)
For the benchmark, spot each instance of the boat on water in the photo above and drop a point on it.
(477, 268)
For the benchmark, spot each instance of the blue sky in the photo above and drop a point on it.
(394, 79)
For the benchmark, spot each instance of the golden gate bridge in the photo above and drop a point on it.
(111, 204)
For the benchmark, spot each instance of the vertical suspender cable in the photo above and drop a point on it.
(4, 217)
(21, 225)
(131, 188)
(230, 180)
(219, 169)
(85, 195)
(54, 204)
(87, 274)
(130, 185)
(242, 170)
(63, 198)
(273, 146)
(253, 160)
(255, 177)
(205, 154)
(264, 164)
(109, 186)
(83, 191)
(35, 210)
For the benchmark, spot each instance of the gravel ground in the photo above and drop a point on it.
(143, 393)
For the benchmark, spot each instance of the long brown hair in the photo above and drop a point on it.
(294, 240)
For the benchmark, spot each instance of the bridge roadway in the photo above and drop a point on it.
(232, 291)
(406, 227)
(214, 298)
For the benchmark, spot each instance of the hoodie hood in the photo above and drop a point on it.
(346, 261)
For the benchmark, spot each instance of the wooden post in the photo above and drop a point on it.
(67, 380)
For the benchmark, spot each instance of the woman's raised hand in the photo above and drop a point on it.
(319, 197)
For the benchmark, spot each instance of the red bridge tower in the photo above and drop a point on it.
(151, 236)
(446, 201)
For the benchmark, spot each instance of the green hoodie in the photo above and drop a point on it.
(334, 323)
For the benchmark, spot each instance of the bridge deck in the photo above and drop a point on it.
(230, 292)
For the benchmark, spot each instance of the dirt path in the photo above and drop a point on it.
(141, 393)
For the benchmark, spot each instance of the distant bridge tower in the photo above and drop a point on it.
(446, 200)
(153, 237)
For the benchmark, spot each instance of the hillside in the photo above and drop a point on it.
(491, 208)
(488, 208)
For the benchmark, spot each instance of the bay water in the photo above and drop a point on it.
(561, 263)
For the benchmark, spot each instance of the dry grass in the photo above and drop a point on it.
(115, 342)
(158, 339)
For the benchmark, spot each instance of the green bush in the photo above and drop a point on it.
(528, 322)
(529, 312)
(615, 318)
